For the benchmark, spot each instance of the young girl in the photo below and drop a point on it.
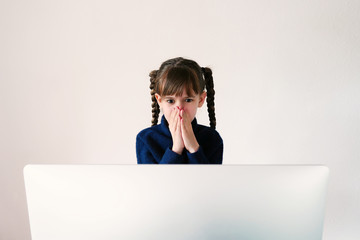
(177, 88)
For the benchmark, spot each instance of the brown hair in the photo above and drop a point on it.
(177, 74)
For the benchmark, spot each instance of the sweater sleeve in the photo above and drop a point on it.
(216, 156)
(199, 157)
(147, 155)
(143, 154)
(171, 157)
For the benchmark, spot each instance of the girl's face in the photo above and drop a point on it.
(188, 103)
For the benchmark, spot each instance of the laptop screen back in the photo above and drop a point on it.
(176, 202)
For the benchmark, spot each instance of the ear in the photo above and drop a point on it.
(202, 99)
(158, 98)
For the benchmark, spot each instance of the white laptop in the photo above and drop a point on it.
(112, 202)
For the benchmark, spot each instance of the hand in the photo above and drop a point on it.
(188, 136)
(175, 130)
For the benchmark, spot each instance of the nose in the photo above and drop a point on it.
(179, 105)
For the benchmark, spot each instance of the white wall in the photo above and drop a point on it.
(74, 87)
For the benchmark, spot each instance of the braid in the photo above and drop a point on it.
(210, 95)
(155, 106)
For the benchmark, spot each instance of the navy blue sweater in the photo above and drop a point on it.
(153, 145)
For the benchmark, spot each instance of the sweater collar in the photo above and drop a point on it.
(165, 125)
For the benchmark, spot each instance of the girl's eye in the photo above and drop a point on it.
(188, 100)
(170, 101)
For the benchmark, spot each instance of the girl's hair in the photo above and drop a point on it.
(178, 74)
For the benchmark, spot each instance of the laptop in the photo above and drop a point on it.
(108, 202)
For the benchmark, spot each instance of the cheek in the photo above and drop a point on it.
(167, 110)
(191, 110)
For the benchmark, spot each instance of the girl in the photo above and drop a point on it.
(177, 88)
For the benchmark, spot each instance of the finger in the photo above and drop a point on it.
(184, 114)
(185, 117)
(173, 115)
(179, 125)
(184, 127)
(184, 133)
(175, 123)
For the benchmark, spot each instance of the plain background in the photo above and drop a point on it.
(74, 87)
